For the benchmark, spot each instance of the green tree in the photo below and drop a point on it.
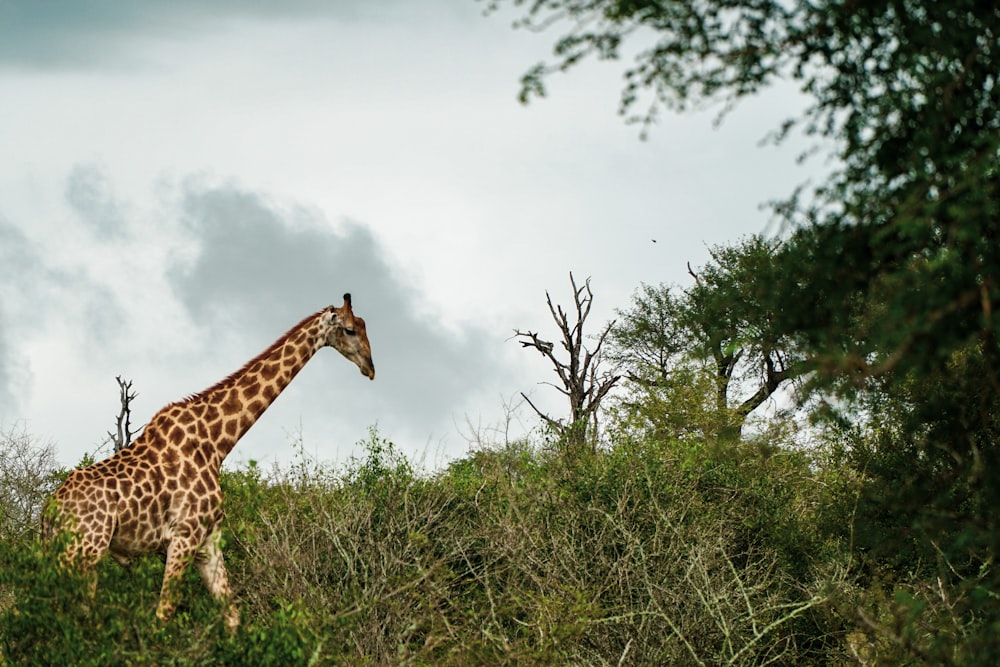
(27, 477)
(701, 359)
(888, 282)
(905, 93)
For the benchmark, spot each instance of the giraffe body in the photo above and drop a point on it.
(162, 494)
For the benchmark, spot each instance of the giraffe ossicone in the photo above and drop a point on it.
(161, 494)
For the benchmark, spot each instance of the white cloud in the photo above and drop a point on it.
(180, 179)
(88, 193)
(260, 262)
(236, 270)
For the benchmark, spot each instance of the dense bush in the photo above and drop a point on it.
(645, 553)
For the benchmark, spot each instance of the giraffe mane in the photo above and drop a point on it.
(231, 378)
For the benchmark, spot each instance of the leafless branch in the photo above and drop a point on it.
(548, 420)
(582, 380)
(691, 272)
(123, 437)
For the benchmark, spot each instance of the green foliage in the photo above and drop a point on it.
(680, 408)
(287, 639)
(702, 50)
(27, 477)
(651, 335)
(50, 618)
(382, 463)
(888, 285)
(699, 360)
(924, 526)
(645, 553)
(649, 551)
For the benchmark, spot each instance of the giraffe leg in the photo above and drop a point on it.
(85, 564)
(212, 569)
(87, 548)
(179, 555)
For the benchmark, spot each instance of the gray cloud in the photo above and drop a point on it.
(8, 396)
(17, 256)
(33, 294)
(260, 268)
(16, 260)
(254, 268)
(89, 193)
(52, 33)
(59, 34)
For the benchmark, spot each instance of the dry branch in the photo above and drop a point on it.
(581, 379)
(122, 437)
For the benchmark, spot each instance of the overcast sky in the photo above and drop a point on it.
(181, 182)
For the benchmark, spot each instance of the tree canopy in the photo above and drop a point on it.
(900, 239)
(704, 357)
(886, 280)
(896, 250)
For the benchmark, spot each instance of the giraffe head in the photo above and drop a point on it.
(346, 333)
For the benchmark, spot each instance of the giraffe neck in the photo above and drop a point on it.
(233, 405)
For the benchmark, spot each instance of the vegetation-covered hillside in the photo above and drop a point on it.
(647, 552)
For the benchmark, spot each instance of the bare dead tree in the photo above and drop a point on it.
(123, 437)
(581, 379)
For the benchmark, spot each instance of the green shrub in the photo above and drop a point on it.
(641, 553)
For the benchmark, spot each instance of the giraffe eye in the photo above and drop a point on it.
(350, 332)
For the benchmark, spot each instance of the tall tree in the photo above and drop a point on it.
(905, 91)
(701, 359)
(890, 282)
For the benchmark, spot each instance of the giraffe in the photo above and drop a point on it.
(161, 494)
